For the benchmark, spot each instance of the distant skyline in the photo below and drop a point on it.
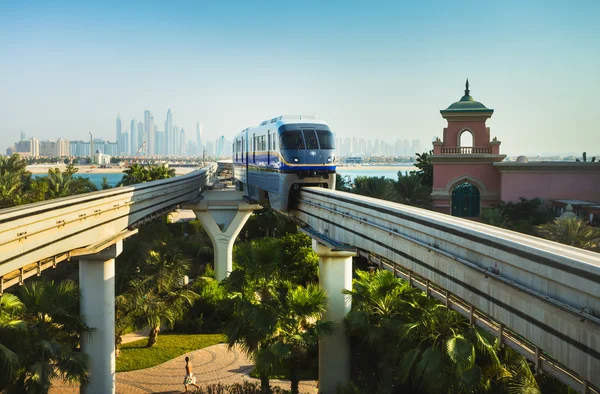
(376, 69)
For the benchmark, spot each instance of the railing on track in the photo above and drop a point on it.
(540, 290)
(506, 337)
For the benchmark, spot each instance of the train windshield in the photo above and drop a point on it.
(311, 139)
(292, 139)
(325, 139)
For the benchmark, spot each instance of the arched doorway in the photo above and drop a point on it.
(466, 200)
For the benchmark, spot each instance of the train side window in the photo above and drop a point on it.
(269, 147)
(311, 139)
(242, 149)
(292, 139)
(254, 148)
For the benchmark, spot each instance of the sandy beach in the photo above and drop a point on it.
(378, 168)
(43, 169)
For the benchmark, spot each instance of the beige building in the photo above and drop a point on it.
(51, 148)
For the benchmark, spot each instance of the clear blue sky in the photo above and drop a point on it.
(371, 69)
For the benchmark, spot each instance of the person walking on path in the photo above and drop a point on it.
(189, 379)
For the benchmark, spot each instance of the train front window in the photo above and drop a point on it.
(292, 140)
(325, 139)
(311, 139)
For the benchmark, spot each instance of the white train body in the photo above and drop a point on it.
(273, 159)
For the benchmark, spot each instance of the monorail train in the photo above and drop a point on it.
(273, 160)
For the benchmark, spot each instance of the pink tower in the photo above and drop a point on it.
(464, 177)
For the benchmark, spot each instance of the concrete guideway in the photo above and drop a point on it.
(543, 291)
(36, 236)
(212, 365)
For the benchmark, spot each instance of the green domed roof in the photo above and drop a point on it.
(467, 104)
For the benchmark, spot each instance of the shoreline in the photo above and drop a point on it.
(378, 168)
(43, 169)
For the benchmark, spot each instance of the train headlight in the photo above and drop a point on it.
(330, 159)
(295, 159)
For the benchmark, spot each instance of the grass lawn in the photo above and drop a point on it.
(135, 355)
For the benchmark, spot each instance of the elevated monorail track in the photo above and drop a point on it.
(37, 236)
(540, 297)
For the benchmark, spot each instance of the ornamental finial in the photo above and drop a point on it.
(467, 91)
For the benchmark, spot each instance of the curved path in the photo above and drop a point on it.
(214, 364)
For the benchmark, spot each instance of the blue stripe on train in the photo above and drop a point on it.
(276, 164)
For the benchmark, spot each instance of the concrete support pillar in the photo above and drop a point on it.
(335, 275)
(97, 283)
(223, 214)
(223, 240)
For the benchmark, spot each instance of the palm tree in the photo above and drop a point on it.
(105, 185)
(425, 167)
(571, 231)
(11, 329)
(59, 185)
(584, 157)
(376, 187)
(14, 180)
(410, 190)
(63, 184)
(258, 259)
(380, 305)
(253, 321)
(53, 324)
(11, 188)
(135, 173)
(160, 172)
(14, 164)
(415, 341)
(341, 183)
(158, 292)
(299, 326)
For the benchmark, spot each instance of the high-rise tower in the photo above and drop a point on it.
(168, 131)
(182, 143)
(133, 145)
(199, 136)
(141, 136)
(119, 140)
(147, 132)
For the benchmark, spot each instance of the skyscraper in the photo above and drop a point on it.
(176, 139)
(92, 151)
(168, 131)
(199, 135)
(133, 145)
(141, 136)
(119, 137)
(182, 143)
(147, 133)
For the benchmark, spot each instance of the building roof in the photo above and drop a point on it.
(467, 104)
(575, 202)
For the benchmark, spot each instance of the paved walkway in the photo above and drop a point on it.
(214, 364)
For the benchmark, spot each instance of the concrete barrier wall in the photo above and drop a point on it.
(546, 292)
(35, 232)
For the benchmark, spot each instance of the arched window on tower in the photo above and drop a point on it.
(466, 200)
(466, 139)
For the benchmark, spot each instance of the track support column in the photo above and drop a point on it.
(223, 214)
(97, 283)
(335, 275)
